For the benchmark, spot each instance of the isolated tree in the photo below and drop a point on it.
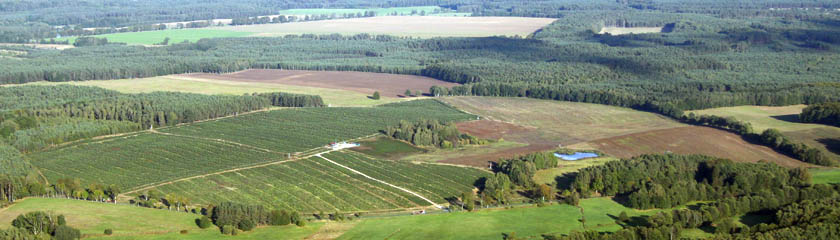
(376, 95)
(407, 93)
(204, 222)
(418, 93)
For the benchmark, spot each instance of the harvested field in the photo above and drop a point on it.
(543, 125)
(415, 26)
(691, 140)
(388, 85)
(629, 30)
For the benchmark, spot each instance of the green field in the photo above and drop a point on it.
(194, 149)
(548, 176)
(314, 184)
(824, 176)
(144, 158)
(295, 130)
(174, 35)
(131, 222)
(388, 148)
(379, 11)
(94, 217)
(784, 119)
(528, 222)
(334, 97)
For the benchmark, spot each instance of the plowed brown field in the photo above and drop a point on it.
(692, 140)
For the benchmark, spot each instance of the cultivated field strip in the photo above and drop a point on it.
(144, 158)
(294, 130)
(171, 154)
(314, 184)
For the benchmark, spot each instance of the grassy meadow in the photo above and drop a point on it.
(334, 97)
(825, 176)
(131, 222)
(174, 35)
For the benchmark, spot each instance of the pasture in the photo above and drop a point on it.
(388, 85)
(92, 218)
(131, 222)
(825, 176)
(528, 222)
(180, 83)
(689, 140)
(174, 35)
(411, 26)
(314, 184)
(786, 120)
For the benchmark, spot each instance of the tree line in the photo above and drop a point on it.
(730, 189)
(825, 113)
(39, 116)
(432, 133)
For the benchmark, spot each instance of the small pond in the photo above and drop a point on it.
(576, 156)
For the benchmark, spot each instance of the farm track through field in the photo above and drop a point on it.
(216, 140)
(294, 158)
(320, 155)
(220, 172)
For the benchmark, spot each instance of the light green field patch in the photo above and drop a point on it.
(488, 224)
(334, 97)
(268, 232)
(94, 217)
(781, 118)
(825, 176)
(174, 35)
(528, 222)
(471, 150)
(548, 176)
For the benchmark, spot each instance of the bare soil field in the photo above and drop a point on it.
(691, 140)
(415, 26)
(388, 85)
(626, 30)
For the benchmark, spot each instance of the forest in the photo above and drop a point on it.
(826, 113)
(727, 189)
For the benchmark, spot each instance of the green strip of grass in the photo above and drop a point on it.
(174, 35)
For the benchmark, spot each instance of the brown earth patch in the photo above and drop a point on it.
(496, 130)
(692, 140)
(388, 85)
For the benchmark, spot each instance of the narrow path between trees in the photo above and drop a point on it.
(380, 181)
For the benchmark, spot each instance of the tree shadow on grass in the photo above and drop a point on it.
(832, 144)
(793, 118)
(634, 221)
